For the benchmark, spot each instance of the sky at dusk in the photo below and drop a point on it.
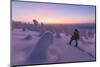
(52, 13)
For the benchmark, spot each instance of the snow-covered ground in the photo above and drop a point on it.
(59, 51)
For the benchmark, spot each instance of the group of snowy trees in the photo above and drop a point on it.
(36, 26)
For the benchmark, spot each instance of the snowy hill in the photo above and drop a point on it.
(59, 51)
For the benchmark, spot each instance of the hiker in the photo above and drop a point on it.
(75, 36)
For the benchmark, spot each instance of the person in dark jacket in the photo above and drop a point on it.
(75, 36)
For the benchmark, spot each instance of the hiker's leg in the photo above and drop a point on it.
(70, 41)
(76, 43)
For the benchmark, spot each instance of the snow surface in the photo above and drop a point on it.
(59, 51)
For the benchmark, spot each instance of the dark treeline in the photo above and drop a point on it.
(54, 28)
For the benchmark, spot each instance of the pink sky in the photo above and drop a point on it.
(52, 13)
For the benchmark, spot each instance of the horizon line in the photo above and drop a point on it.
(53, 23)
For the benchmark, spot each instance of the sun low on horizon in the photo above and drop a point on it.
(49, 13)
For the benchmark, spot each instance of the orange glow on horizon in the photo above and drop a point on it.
(56, 21)
(52, 13)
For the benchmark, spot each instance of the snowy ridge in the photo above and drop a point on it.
(59, 51)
